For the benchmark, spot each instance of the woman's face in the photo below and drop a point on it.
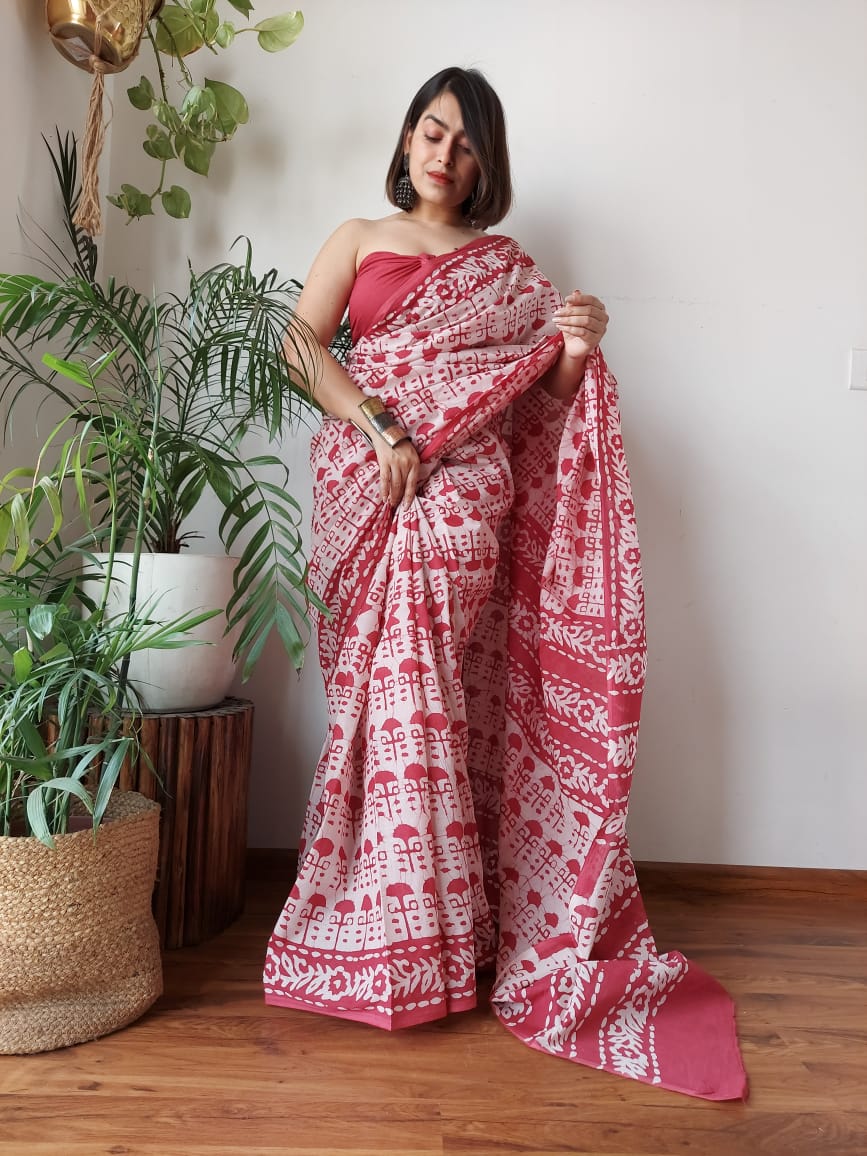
(441, 163)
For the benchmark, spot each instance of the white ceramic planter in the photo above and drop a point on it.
(191, 677)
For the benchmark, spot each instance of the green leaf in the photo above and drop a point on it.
(32, 738)
(179, 31)
(197, 155)
(253, 545)
(133, 201)
(36, 816)
(40, 621)
(109, 775)
(5, 528)
(21, 529)
(59, 650)
(225, 34)
(278, 32)
(22, 664)
(167, 115)
(141, 95)
(201, 7)
(158, 144)
(176, 202)
(199, 102)
(245, 7)
(77, 371)
(289, 635)
(52, 496)
(232, 108)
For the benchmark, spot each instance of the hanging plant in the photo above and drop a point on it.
(190, 117)
(208, 112)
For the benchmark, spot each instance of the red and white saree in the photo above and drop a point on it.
(484, 667)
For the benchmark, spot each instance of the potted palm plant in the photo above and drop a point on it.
(179, 381)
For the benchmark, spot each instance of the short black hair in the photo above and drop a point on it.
(485, 126)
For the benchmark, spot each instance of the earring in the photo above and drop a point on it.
(404, 190)
(470, 212)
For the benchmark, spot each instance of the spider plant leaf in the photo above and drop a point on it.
(21, 530)
(22, 664)
(52, 495)
(175, 635)
(36, 804)
(123, 746)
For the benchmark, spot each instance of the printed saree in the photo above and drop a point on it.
(484, 664)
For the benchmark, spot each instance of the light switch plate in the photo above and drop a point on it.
(858, 368)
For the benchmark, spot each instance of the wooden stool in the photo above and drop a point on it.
(199, 775)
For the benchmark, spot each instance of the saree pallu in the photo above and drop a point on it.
(484, 664)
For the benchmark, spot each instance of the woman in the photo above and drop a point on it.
(484, 657)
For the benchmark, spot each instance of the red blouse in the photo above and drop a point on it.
(382, 280)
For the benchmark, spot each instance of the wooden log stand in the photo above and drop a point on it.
(197, 767)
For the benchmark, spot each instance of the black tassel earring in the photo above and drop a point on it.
(404, 190)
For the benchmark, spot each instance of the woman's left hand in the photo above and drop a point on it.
(582, 320)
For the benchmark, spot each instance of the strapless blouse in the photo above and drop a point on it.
(381, 279)
(384, 279)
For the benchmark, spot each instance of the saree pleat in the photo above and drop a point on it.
(484, 666)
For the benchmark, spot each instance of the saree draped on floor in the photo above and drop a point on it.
(484, 665)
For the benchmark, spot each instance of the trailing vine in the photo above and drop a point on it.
(190, 117)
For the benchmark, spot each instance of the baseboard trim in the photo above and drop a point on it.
(730, 879)
(699, 878)
(271, 863)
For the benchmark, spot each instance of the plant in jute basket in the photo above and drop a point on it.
(79, 951)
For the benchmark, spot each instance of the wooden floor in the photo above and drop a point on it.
(211, 1071)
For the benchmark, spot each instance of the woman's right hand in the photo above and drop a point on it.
(399, 471)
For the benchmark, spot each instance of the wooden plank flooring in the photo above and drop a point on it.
(212, 1071)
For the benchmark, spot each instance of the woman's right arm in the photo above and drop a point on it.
(322, 304)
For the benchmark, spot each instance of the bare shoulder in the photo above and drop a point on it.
(378, 235)
(343, 243)
(326, 291)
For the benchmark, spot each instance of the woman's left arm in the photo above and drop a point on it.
(582, 320)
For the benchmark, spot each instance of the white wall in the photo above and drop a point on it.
(39, 90)
(702, 166)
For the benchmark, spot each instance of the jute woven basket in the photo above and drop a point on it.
(79, 951)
